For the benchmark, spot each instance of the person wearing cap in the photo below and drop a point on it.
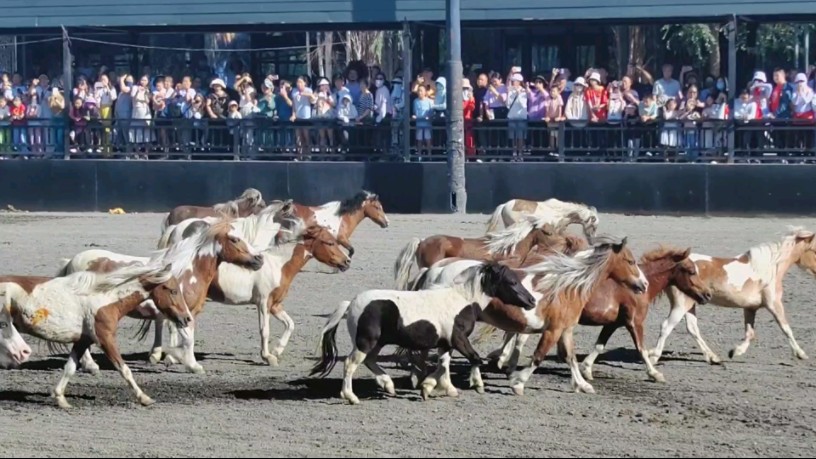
(776, 103)
(667, 87)
(468, 108)
(441, 97)
(597, 98)
(576, 109)
(324, 113)
(340, 89)
(218, 100)
(516, 101)
(397, 96)
(802, 99)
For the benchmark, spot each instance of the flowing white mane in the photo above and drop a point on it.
(505, 241)
(88, 283)
(766, 257)
(260, 229)
(581, 273)
(180, 256)
(562, 213)
(295, 229)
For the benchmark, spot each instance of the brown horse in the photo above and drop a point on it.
(249, 203)
(516, 241)
(342, 217)
(562, 286)
(194, 262)
(613, 306)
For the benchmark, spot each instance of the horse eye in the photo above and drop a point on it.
(3, 325)
(174, 292)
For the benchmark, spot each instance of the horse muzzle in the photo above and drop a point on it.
(384, 223)
(20, 356)
(257, 262)
(343, 267)
(640, 286)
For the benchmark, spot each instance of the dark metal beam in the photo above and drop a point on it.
(455, 122)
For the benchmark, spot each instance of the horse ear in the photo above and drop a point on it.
(618, 247)
(808, 239)
(682, 256)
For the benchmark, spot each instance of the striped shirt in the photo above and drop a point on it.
(365, 103)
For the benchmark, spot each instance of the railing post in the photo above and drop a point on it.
(407, 72)
(732, 75)
(562, 140)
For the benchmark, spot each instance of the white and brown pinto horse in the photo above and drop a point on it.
(442, 318)
(13, 349)
(341, 218)
(749, 282)
(516, 241)
(560, 214)
(85, 308)
(249, 203)
(268, 287)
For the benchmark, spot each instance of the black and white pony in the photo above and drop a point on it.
(440, 318)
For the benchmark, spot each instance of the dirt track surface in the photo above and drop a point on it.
(761, 404)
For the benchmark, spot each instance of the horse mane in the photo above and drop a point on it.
(505, 241)
(355, 203)
(297, 230)
(660, 253)
(87, 283)
(260, 229)
(764, 258)
(180, 255)
(250, 194)
(228, 209)
(578, 274)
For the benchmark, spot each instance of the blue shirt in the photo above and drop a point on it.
(423, 109)
(284, 110)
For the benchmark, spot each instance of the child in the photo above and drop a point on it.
(554, 114)
(78, 124)
(33, 114)
(668, 135)
(423, 112)
(5, 116)
(18, 115)
(745, 108)
(616, 103)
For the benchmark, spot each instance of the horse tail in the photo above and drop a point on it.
(419, 282)
(495, 219)
(402, 267)
(328, 342)
(65, 267)
(166, 222)
(486, 332)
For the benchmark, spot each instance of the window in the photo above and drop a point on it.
(545, 58)
(585, 58)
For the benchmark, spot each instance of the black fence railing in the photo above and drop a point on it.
(499, 140)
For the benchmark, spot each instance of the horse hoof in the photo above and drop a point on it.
(170, 360)
(480, 390)
(658, 378)
(586, 389)
(93, 371)
(426, 392)
(63, 403)
(802, 356)
(453, 393)
(271, 360)
(518, 389)
(197, 370)
(350, 397)
(414, 381)
(155, 359)
(390, 390)
(714, 360)
(732, 353)
(146, 401)
(587, 374)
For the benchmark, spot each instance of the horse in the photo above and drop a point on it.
(558, 213)
(261, 229)
(14, 351)
(343, 217)
(562, 287)
(194, 262)
(749, 282)
(250, 202)
(441, 318)
(268, 287)
(85, 308)
(517, 240)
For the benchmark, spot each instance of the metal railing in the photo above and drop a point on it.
(497, 140)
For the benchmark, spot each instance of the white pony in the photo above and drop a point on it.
(85, 308)
(560, 214)
(442, 318)
(13, 349)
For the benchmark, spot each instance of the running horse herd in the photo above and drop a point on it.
(528, 278)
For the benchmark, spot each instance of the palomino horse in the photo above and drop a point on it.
(249, 203)
(517, 240)
(268, 287)
(441, 318)
(261, 229)
(563, 285)
(13, 349)
(341, 218)
(750, 282)
(194, 262)
(558, 213)
(85, 308)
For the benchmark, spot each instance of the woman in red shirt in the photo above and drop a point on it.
(18, 115)
(468, 109)
(597, 98)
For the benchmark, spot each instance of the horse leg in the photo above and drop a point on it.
(680, 304)
(353, 362)
(437, 378)
(157, 352)
(169, 359)
(503, 353)
(635, 328)
(88, 364)
(462, 344)
(106, 326)
(520, 377)
(691, 325)
(419, 367)
(445, 381)
(186, 353)
(600, 345)
(79, 348)
(749, 316)
(263, 325)
(566, 349)
(343, 241)
(778, 311)
(289, 325)
(383, 380)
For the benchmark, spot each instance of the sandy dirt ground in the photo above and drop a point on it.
(761, 404)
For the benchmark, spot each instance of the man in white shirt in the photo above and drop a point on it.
(667, 87)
